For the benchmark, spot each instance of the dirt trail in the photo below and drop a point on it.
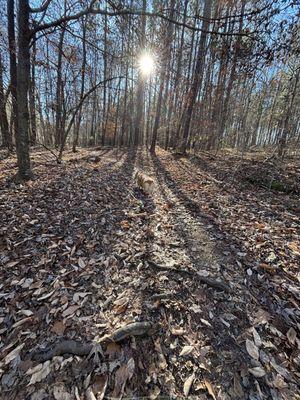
(211, 320)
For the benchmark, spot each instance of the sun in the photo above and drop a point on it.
(146, 64)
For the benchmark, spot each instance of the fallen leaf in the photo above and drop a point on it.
(186, 350)
(162, 363)
(27, 313)
(279, 382)
(60, 393)
(80, 295)
(261, 317)
(188, 384)
(237, 387)
(120, 305)
(291, 335)
(46, 296)
(39, 372)
(59, 328)
(256, 337)
(252, 349)
(267, 267)
(258, 372)
(99, 386)
(13, 354)
(90, 394)
(69, 311)
(21, 322)
(210, 389)
(271, 257)
(123, 374)
(205, 322)
(154, 393)
(177, 331)
(279, 369)
(81, 263)
(295, 247)
(112, 350)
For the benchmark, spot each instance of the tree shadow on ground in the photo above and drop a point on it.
(76, 212)
(222, 338)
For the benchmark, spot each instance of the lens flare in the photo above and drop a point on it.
(146, 64)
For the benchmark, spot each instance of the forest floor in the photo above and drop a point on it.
(209, 261)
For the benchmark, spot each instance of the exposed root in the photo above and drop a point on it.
(83, 349)
(208, 281)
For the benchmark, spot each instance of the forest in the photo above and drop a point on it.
(149, 199)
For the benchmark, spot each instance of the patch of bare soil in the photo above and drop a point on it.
(200, 276)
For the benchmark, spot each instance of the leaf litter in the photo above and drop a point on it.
(75, 266)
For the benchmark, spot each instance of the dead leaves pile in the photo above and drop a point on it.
(74, 248)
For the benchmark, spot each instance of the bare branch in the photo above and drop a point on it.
(43, 7)
(91, 10)
(77, 107)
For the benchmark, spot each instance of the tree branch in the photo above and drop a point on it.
(77, 108)
(91, 10)
(43, 7)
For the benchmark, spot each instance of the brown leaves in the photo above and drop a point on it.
(84, 267)
(123, 374)
(39, 372)
(162, 363)
(70, 311)
(291, 335)
(13, 354)
(258, 372)
(210, 389)
(252, 349)
(98, 388)
(120, 305)
(186, 350)
(59, 328)
(60, 393)
(188, 384)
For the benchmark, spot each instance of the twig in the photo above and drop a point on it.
(203, 279)
(52, 152)
(161, 296)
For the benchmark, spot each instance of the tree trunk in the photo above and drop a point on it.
(198, 75)
(224, 114)
(290, 102)
(32, 97)
(6, 137)
(77, 126)
(270, 122)
(163, 76)
(139, 116)
(12, 63)
(23, 74)
(104, 114)
(59, 90)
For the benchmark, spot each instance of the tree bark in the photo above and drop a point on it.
(6, 137)
(77, 126)
(32, 97)
(139, 116)
(290, 102)
(12, 63)
(104, 113)
(198, 75)
(224, 113)
(59, 91)
(23, 75)
(163, 77)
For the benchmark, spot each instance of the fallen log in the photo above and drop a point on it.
(83, 349)
(203, 279)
